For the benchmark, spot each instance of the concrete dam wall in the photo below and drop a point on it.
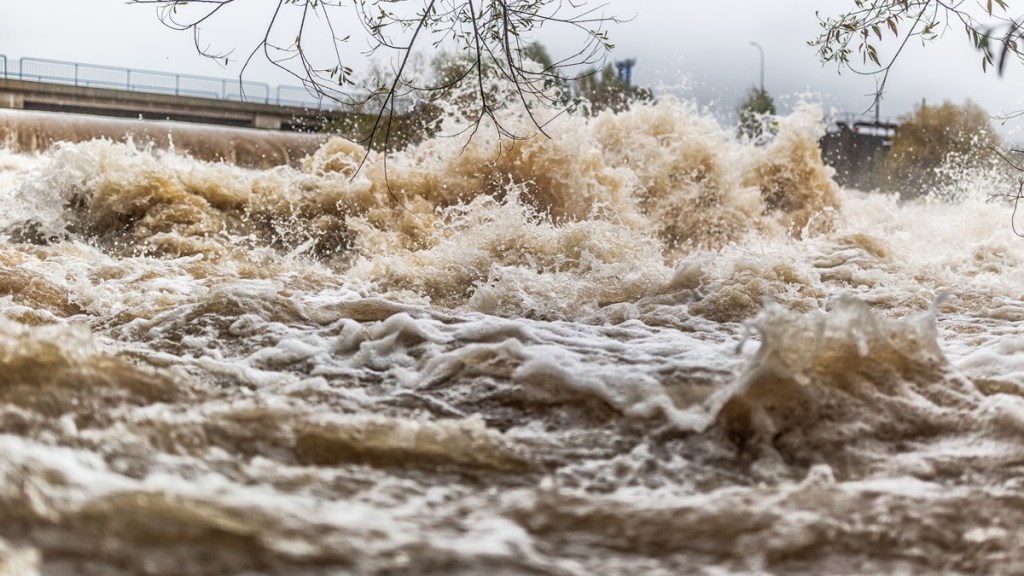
(28, 131)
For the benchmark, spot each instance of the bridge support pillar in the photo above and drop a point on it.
(11, 100)
(266, 122)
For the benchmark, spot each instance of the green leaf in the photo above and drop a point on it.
(873, 55)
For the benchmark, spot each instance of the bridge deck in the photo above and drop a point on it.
(30, 95)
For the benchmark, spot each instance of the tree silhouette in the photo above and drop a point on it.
(757, 116)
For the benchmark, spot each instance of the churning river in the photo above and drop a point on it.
(638, 347)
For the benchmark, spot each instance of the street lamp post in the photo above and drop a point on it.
(761, 50)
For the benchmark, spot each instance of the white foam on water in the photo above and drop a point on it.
(638, 346)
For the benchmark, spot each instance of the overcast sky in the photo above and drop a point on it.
(699, 49)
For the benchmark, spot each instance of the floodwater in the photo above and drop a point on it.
(638, 347)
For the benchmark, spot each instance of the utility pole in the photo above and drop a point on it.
(761, 50)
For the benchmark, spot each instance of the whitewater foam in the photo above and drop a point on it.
(521, 359)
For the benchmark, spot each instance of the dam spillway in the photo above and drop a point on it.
(33, 132)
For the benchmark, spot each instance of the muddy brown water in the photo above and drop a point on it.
(639, 347)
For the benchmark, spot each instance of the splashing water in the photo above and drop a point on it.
(639, 346)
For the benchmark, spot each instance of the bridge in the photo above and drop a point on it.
(58, 86)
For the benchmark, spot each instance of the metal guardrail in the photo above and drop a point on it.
(290, 95)
(153, 82)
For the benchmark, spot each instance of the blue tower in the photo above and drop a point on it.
(625, 70)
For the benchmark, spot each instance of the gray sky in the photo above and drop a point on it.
(696, 49)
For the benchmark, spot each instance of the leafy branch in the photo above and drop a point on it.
(860, 31)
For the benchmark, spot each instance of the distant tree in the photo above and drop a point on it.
(434, 88)
(757, 116)
(932, 137)
(603, 90)
(555, 81)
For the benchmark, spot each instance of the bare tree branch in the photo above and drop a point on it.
(493, 33)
